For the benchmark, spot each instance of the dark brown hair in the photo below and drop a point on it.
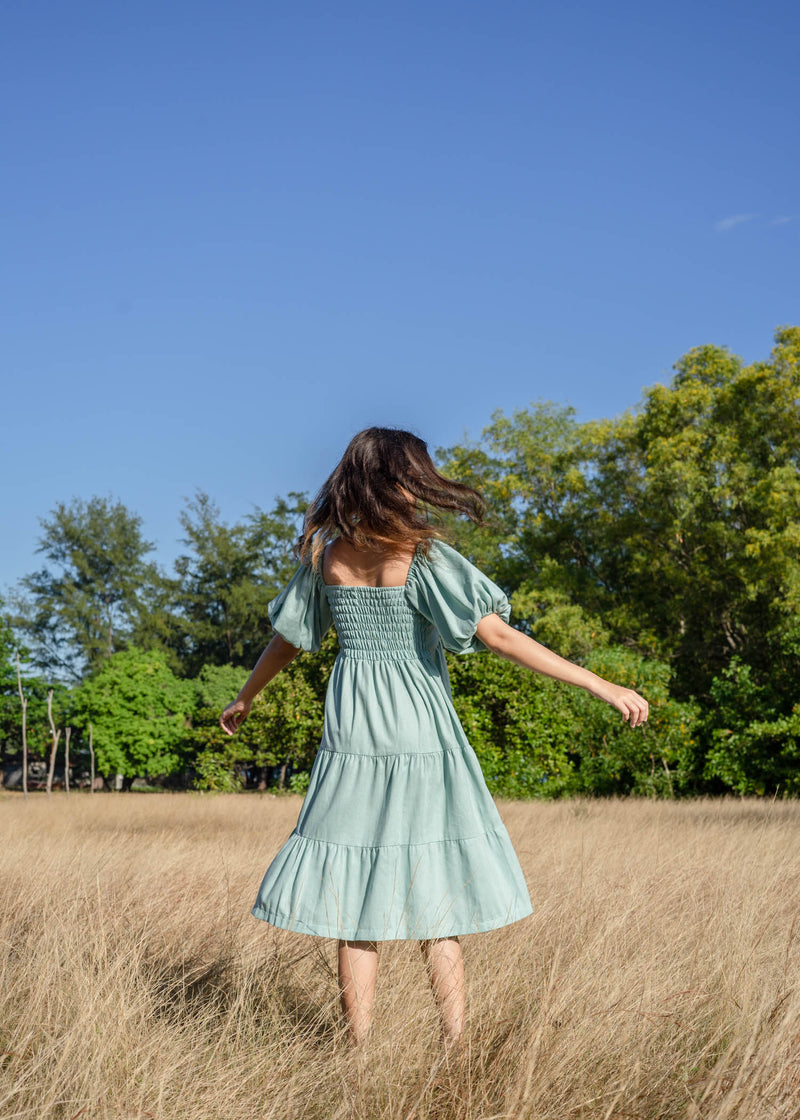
(362, 500)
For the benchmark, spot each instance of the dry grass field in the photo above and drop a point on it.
(658, 976)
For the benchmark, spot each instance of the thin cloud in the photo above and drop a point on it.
(725, 224)
(784, 218)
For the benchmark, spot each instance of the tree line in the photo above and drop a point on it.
(660, 547)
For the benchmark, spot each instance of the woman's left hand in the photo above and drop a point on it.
(634, 707)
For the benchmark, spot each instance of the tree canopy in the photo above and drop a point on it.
(81, 606)
(139, 711)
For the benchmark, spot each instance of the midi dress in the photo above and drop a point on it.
(398, 836)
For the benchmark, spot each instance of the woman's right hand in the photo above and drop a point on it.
(234, 716)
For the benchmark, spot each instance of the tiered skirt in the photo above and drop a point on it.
(398, 836)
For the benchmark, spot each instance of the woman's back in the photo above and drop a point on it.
(343, 565)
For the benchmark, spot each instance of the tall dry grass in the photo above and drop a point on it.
(656, 978)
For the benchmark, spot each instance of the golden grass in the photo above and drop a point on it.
(657, 978)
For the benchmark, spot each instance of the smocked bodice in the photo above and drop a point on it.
(377, 624)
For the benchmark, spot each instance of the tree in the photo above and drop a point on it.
(273, 534)
(518, 723)
(558, 516)
(657, 760)
(672, 531)
(10, 706)
(536, 737)
(139, 711)
(81, 607)
(36, 690)
(160, 622)
(283, 728)
(718, 556)
(752, 751)
(228, 579)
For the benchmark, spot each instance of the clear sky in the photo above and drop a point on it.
(235, 233)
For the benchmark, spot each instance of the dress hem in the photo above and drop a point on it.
(295, 925)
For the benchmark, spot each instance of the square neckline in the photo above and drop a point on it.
(369, 586)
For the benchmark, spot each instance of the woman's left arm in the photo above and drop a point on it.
(513, 645)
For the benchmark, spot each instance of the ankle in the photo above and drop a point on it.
(358, 1035)
(452, 1034)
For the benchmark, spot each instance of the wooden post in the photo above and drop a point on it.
(56, 736)
(66, 759)
(91, 755)
(24, 734)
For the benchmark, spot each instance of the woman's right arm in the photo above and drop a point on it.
(513, 645)
(275, 657)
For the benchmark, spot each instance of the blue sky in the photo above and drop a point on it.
(234, 234)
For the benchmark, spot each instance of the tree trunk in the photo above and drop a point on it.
(56, 736)
(282, 780)
(24, 735)
(669, 776)
(91, 756)
(66, 759)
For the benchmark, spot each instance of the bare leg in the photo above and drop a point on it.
(446, 971)
(358, 971)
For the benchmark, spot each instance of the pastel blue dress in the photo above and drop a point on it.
(398, 836)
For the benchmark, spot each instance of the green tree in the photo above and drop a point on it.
(536, 737)
(553, 512)
(139, 712)
(35, 688)
(82, 605)
(283, 728)
(519, 724)
(273, 534)
(671, 531)
(10, 706)
(751, 752)
(228, 578)
(219, 760)
(160, 622)
(657, 760)
(717, 558)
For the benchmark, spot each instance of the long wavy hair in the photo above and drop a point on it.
(381, 494)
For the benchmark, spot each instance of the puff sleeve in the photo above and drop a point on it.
(300, 613)
(454, 595)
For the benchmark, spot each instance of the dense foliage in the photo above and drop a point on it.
(660, 548)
